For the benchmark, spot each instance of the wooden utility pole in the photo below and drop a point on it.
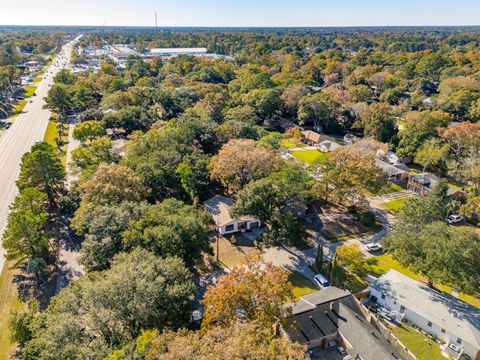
(218, 244)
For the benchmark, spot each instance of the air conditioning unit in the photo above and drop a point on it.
(454, 348)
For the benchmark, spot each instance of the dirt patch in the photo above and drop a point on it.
(339, 224)
(233, 250)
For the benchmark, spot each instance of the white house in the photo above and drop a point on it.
(219, 207)
(448, 318)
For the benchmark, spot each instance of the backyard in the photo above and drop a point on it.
(420, 345)
(291, 143)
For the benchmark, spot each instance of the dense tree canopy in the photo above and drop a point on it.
(170, 228)
(253, 292)
(42, 169)
(103, 311)
(240, 161)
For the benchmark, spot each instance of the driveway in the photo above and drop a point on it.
(290, 259)
(297, 260)
(398, 195)
(72, 173)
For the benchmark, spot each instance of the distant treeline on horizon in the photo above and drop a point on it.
(475, 28)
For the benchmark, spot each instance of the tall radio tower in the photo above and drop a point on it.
(156, 19)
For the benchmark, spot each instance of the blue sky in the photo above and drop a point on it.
(240, 12)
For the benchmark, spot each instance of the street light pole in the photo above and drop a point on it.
(218, 241)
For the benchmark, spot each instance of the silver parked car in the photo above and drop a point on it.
(454, 219)
(374, 247)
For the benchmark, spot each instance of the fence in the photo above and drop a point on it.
(397, 344)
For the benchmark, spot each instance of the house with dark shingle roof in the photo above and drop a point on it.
(334, 315)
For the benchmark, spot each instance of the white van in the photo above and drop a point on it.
(321, 281)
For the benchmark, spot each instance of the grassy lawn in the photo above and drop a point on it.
(29, 90)
(395, 205)
(17, 110)
(346, 280)
(37, 79)
(415, 169)
(51, 137)
(310, 156)
(301, 285)
(292, 143)
(458, 185)
(420, 345)
(8, 302)
(381, 264)
(393, 188)
(51, 133)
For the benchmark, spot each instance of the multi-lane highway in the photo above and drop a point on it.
(27, 128)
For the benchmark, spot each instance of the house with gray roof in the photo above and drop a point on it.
(219, 207)
(396, 172)
(328, 145)
(448, 318)
(331, 316)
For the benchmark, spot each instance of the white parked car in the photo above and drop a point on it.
(454, 219)
(321, 281)
(374, 247)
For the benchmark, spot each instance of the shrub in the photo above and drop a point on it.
(367, 218)
(352, 209)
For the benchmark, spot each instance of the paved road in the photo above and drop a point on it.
(297, 260)
(26, 129)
